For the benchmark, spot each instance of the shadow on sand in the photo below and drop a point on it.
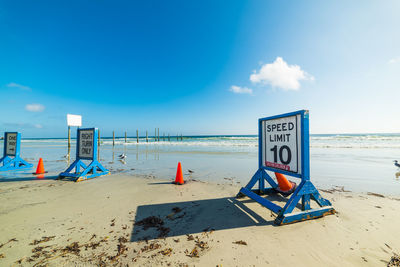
(199, 216)
(30, 178)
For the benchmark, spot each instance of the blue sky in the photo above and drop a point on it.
(198, 67)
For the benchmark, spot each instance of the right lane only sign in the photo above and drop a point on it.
(281, 138)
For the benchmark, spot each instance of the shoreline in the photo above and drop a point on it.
(103, 221)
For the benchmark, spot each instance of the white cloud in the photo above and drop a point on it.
(241, 90)
(394, 60)
(34, 107)
(19, 86)
(281, 75)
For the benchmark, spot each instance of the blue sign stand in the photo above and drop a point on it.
(11, 157)
(86, 149)
(305, 191)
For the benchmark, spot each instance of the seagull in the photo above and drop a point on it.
(122, 156)
(396, 163)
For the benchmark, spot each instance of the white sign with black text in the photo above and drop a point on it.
(11, 144)
(281, 143)
(86, 143)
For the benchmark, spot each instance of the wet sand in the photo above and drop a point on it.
(122, 219)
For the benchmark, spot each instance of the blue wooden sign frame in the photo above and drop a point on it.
(94, 169)
(13, 161)
(305, 191)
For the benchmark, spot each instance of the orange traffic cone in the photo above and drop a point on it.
(40, 167)
(285, 187)
(179, 176)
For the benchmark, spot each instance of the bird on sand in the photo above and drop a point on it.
(396, 163)
(122, 156)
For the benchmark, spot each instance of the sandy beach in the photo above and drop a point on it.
(127, 220)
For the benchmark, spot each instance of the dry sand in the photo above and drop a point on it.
(89, 223)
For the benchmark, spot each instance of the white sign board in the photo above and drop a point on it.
(281, 140)
(11, 144)
(86, 139)
(74, 120)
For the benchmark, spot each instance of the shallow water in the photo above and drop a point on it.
(361, 163)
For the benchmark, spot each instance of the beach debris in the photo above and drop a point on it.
(72, 248)
(152, 246)
(175, 210)
(94, 245)
(38, 249)
(335, 189)
(388, 246)
(2, 256)
(394, 260)
(44, 239)
(375, 194)
(151, 221)
(163, 231)
(176, 240)
(201, 244)
(9, 241)
(240, 242)
(193, 254)
(190, 171)
(112, 222)
(166, 252)
(190, 237)
(396, 163)
(154, 222)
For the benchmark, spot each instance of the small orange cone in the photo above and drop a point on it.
(179, 176)
(40, 167)
(285, 187)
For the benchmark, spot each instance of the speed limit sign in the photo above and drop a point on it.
(281, 143)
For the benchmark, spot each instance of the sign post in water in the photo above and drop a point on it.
(283, 143)
(11, 159)
(86, 149)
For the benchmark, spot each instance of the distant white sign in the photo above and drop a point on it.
(86, 143)
(11, 144)
(282, 143)
(74, 120)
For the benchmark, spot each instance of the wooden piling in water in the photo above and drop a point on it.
(168, 138)
(155, 134)
(147, 137)
(113, 138)
(137, 136)
(98, 139)
(125, 136)
(69, 137)
(158, 133)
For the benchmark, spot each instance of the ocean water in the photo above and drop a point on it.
(359, 162)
